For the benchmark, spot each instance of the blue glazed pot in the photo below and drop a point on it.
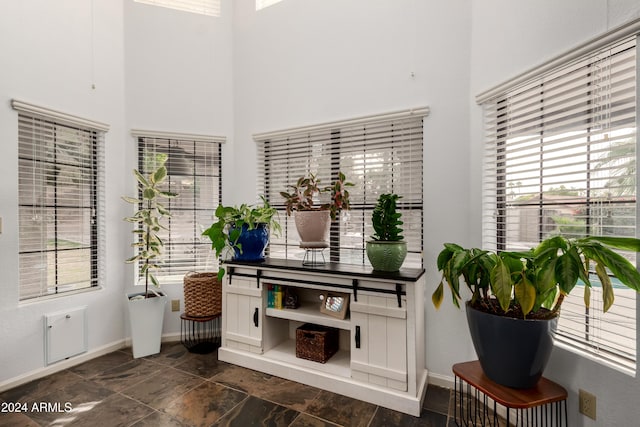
(253, 243)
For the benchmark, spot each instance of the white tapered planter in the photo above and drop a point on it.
(145, 319)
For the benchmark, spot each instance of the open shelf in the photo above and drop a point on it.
(338, 364)
(309, 314)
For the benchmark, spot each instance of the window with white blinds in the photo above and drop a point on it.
(60, 204)
(560, 158)
(377, 154)
(202, 7)
(194, 168)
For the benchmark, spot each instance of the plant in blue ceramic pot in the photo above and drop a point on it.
(242, 232)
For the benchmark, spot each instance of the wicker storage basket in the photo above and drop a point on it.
(202, 295)
(315, 342)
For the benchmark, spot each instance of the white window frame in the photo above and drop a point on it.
(194, 253)
(261, 4)
(200, 7)
(43, 135)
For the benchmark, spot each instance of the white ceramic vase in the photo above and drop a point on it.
(313, 228)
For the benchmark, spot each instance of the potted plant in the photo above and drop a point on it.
(313, 216)
(146, 309)
(242, 232)
(387, 249)
(517, 296)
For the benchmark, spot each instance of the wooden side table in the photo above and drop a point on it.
(475, 394)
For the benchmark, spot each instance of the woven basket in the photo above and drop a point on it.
(315, 342)
(202, 295)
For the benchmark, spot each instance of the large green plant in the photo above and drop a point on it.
(227, 229)
(534, 283)
(386, 219)
(148, 216)
(308, 188)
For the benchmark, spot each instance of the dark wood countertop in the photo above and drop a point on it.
(340, 269)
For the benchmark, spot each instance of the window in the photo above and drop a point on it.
(202, 7)
(60, 206)
(194, 168)
(261, 4)
(380, 154)
(561, 159)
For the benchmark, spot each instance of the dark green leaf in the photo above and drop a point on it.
(567, 272)
(501, 284)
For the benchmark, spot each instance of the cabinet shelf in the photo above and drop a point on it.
(338, 364)
(309, 314)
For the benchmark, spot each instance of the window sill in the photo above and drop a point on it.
(622, 366)
(45, 298)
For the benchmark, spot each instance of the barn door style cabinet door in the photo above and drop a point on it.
(380, 356)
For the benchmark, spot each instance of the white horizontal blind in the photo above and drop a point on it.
(61, 209)
(560, 158)
(202, 7)
(378, 156)
(194, 168)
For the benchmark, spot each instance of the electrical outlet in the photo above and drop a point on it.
(175, 305)
(587, 405)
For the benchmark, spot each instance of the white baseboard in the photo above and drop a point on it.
(76, 360)
(61, 366)
(440, 380)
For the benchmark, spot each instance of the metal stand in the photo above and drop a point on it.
(311, 257)
(200, 334)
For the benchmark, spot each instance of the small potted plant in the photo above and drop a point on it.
(313, 215)
(146, 309)
(516, 296)
(242, 232)
(387, 249)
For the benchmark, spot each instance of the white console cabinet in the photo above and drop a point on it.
(382, 347)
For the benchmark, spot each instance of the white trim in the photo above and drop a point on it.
(401, 114)
(177, 135)
(441, 380)
(62, 365)
(625, 30)
(58, 116)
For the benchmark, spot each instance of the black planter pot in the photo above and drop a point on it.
(512, 352)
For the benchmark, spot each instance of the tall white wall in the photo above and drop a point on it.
(305, 62)
(178, 72)
(52, 53)
(508, 38)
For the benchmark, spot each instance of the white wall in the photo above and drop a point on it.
(508, 38)
(178, 72)
(305, 62)
(52, 53)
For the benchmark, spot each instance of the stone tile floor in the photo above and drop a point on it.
(179, 388)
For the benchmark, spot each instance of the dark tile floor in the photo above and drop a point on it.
(178, 388)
